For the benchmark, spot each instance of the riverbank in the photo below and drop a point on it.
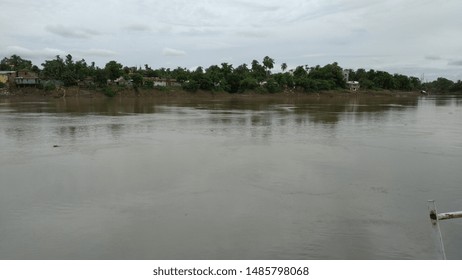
(178, 93)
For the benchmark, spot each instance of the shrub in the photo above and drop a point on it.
(248, 83)
(49, 86)
(109, 92)
(191, 86)
(272, 86)
(149, 84)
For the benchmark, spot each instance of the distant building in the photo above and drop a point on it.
(86, 83)
(161, 82)
(121, 81)
(7, 77)
(26, 78)
(346, 74)
(352, 85)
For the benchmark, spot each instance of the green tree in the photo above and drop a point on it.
(69, 75)
(81, 69)
(441, 85)
(258, 71)
(100, 76)
(203, 80)
(367, 84)
(402, 82)
(300, 77)
(137, 79)
(456, 87)
(242, 70)
(232, 83)
(54, 69)
(384, 80)
(180, 74)
(191, 86)
(272, 86)
(248, 83)
(15, 63)
(226, 69)
(268, 63)
(331, 73)
(416, 84)
(283, 67)
(214, 74)
(114, 70)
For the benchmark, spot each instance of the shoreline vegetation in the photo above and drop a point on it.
(62, 78)
(173, 93)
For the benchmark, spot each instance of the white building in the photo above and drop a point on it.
(352, 85)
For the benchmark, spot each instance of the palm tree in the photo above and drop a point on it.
(268, 62)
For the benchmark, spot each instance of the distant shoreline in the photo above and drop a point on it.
(178, 93)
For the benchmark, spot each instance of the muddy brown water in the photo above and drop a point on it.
(328, 178)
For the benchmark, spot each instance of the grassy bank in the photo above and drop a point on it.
(120, 92)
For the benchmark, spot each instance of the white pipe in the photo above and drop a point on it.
(435, 217)
(449, 215)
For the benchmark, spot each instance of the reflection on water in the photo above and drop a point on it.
(328, 178)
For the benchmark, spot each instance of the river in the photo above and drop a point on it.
(229, 178)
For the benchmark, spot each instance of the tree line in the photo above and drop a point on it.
(257, 76)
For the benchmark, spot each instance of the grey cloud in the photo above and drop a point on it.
(173, 52)
(356, 33)
(71, 32)
(252, 33)
(51, 52)
(138, 27)
(455, 63)
(433, 57)
(30, 53)
(96, 52)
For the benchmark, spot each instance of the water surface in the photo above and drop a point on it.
(329, 178)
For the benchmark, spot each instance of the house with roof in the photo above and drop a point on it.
(161, 82)
(352, 85)
(7, 77)
(26, 78)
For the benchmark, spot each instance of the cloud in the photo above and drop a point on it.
(455, 63)
(252, 33)
(28, 53)
(214, 45)
(355, 33)
(433, 57)
(138, 27)
(71, 32)
(48, 53)
(173, 52)
(96, 52)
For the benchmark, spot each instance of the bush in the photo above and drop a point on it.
(149, 84)
(2, 85)
(205, 84)
(160, 88)
(191, 86)
(109, 92)
(49, 86)
(272, 86)
(248, 83)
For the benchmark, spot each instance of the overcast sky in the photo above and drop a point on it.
(411, 37)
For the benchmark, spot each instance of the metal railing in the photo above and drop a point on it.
(434, 218)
